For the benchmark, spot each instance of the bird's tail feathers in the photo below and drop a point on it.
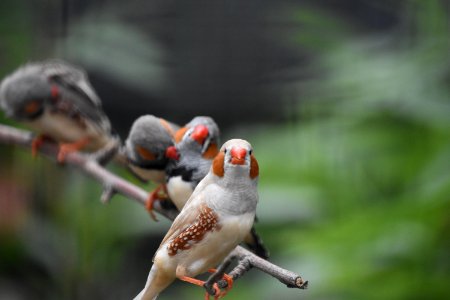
(156, 282)
(256, 244)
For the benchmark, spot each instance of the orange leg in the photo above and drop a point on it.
(202, 283)
(160, 193)
(65, 149)
(37, 143)
(227, 278)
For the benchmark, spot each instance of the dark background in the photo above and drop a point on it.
(345, 102)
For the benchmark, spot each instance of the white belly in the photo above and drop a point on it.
(66, 130)
(179, 191)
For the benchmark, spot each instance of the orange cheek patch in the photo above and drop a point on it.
(217, 166)
(211, 152)
(179, 134)
(145, 154)
(254, 167)
(32, 107)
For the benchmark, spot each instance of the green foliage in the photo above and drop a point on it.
(371, 155)
(354, 195)
(15, 25)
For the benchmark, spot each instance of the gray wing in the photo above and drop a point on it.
(73, 78)
(188, 214)
(73, 84)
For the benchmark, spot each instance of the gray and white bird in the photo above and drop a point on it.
(146, 149)
(196, 146)
(215, 219)
(191, 159)
(146, 146)
(55, 99)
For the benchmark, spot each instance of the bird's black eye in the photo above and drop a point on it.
(250, 152)
(225, 151)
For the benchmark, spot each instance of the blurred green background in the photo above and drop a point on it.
(353, 143)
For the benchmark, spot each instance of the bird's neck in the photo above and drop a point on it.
(242, 194)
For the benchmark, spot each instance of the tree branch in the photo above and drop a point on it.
(114, 184)
(111, 183)
(217, 276)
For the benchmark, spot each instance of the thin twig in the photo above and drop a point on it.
(247, 260)
(108, 193)
(14, 136)
(242, 267)
(290, 279)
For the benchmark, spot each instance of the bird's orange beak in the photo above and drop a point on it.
(172, 153)
(200, 134)
(238, 155)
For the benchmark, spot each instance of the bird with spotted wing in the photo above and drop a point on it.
(56, 99)
(191, 159)
(215, 219)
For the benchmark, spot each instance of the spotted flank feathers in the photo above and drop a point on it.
(205, 222)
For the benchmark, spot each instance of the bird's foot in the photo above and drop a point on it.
(229, 281)
(160, 193)
(65, 149)
(217, 291)
(37, 143)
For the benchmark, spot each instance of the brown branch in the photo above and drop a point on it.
(242, 267)
(217, 276)
(108, 193)
(287, 277)
(114, 184)
(111, 182)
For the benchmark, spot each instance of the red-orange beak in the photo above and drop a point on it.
(200, 134)
(238, 155)
(172, 153)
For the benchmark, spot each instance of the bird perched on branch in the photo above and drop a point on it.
(56, 99)
(215, 219)
(196, 146)
(186, 156)
(191, 159)
(145, 148)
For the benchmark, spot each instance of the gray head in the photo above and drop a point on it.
(201, 135)
(236, 154)
(148, 141)
(236, 168)
(25, 93)
(196, 147)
